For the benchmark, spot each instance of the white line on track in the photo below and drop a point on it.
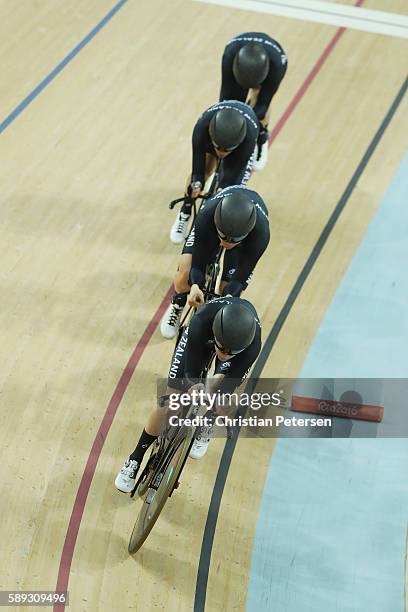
(340, 15)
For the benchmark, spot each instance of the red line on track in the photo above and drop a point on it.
(86, 480)
(310, 77)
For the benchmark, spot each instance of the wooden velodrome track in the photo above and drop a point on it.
(87, 170)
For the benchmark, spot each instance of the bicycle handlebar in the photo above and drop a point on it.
(188, 199)
(178, 200)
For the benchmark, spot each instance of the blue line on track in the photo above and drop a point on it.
(19, 109)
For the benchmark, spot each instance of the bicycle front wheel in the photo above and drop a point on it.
(162, 484)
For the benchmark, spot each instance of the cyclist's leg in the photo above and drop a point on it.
(181, 282)
(204, 434)
(157, 420)
(170, 323)
(175, 385)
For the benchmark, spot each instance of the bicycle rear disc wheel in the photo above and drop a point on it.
(156, 498)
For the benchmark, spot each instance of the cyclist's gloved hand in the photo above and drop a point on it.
(195, 297)
(194, 189)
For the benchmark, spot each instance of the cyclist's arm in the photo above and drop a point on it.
(240, 366)
(233, 288)
(196, 351)
(198, 142)
(237, 166)
(227, 383)
(250, 253)
(205, 244)
(269, 88)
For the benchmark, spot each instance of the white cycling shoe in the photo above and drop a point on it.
(179, 230)
(200, 444)
(259, 164)
(170, 322)
(125, 480)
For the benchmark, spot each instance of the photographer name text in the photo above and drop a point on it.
(251, 421)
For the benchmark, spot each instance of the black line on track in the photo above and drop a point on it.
(226, 458)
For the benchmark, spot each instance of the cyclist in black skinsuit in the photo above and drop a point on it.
(199, 340)
(253, 66)
(237, 219)
(230, 328)
(229, 131)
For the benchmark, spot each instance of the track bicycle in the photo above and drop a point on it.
(160, 476)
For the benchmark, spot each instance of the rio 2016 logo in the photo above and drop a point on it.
(336, 408)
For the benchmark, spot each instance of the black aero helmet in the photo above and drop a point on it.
(251, 65)
(234, 328)
(235, 216)
(227, 128)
